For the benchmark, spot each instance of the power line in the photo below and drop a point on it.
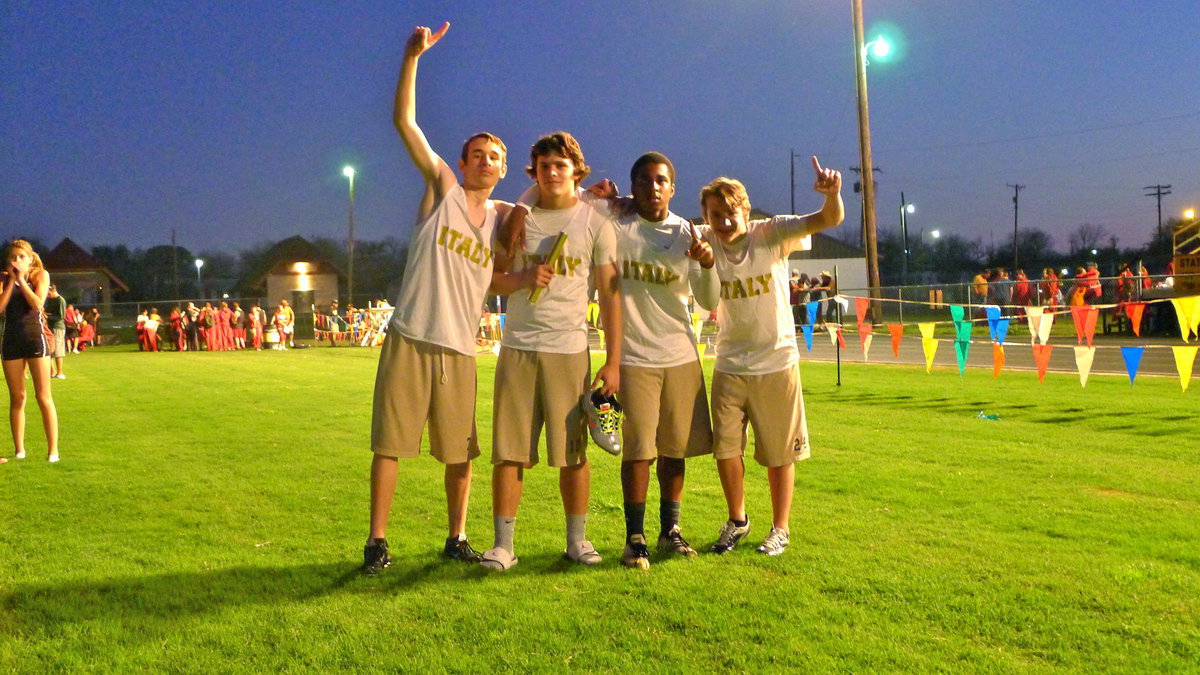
(1159, 192)
(1016, 202)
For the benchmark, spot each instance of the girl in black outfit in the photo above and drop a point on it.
(28, 341)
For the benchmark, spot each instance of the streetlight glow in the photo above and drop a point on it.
(936, 234)
(910, 208)
(1190, 214)
(348, 172)
(199, 283)
(879, 47)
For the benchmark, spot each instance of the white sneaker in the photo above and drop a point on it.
(20, 455)
(604, 417)
(60, 376)
(52, 458)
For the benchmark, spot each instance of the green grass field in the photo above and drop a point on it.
(210, 510)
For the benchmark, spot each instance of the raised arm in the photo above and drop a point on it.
(437, 173)
(791, 230)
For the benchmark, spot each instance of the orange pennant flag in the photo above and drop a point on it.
(861, 305)
(1085, 322)
(1041, 355)
(1134, 310)
(897, 330)
(997, 359)
(841, 338)
(1185, 358)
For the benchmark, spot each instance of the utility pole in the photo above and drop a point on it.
(1160, 191)
(862, 216)
(1016, 202)
(864, 146)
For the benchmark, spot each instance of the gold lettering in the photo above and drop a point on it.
(442, 236)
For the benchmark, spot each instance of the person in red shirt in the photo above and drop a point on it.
(1022, 295)
(1094, 290)
(176, 320)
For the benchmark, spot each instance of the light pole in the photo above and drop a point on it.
(348, 172)
(905, 209)
(880, 48)
(199, 283)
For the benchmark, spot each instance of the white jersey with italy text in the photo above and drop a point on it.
(656, 280)
(447, 276)
(557, 322)
(756, 332)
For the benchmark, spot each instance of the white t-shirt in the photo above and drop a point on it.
(757, 334)
(656, 279)
(447, 276)
(557, 322)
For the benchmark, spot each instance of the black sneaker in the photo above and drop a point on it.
(458, 548)
(375, 556)
(636, 555)
(729, 536)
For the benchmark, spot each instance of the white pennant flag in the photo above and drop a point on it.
(1083, 361)
(1033, 316)
(1044, 328)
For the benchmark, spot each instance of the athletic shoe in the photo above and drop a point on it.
(20, 455)
(775, 543)
(583, 553)
(729, 536)
(52, 458)
(604, 417)
(498, 559)
(673, 542)
(375, 556)
(636, 555)
(458, 548)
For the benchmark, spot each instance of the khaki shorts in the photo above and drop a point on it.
(666, 412)
(417, 383)
(773, 404)
(60, 343)
(536, 389)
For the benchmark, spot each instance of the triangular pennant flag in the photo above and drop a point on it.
(841, 338)
(812, 311)
(897, 331)
(1185, 358)
(1185, 308)
(926, 329)
(833, 333)
(866, 343)
(1083, 362)
(1045, 326)
(1133, 359)
(861, 305)
(841, 300)
(1033, 316)
(1002, 330)
(807, 328)
(962, 330)
(957, 313)
(961, 347)
(1041, 355)
(1085, 322)
(993, 318)
(930, 346)
(1134, 310)
(997, 360)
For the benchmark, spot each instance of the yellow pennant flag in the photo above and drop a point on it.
(1033, 316)
(833, 331)
(1187, 310)
(700, 347)
(930, 347)
(1083, 362)
(1185, 357)
(926, 329)
(866, 343)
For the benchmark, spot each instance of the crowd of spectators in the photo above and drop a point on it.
(226, 327)
(805, 289)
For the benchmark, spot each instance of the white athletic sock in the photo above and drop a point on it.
(576, 528)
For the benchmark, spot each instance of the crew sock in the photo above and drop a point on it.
(576, 528)
(635, 519)
(668, 514)
(504, 532)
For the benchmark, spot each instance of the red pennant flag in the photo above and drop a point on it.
(841, 339)
(1085, 322)
(997, 359)
(1134, 310)
(897, 330)
(1041, 355)
(861, 305)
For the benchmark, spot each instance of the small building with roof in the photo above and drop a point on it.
(295, 270)
(80, 278)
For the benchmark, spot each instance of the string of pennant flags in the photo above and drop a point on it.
(1039, 320)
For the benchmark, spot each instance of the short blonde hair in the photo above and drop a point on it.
(729, 190)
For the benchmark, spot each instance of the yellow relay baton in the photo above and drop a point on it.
(556, 254)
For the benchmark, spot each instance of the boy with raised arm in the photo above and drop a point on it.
(756, 378)
(662, 386)
(427, 363)
(543, 369)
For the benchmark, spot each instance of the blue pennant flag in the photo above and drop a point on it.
(993, 318)
(1133, 359)
(1001, 332)
(812, 316)
(808, 334)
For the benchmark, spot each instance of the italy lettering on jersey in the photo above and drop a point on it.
(468, 247)
(746, 288)
(648, 272)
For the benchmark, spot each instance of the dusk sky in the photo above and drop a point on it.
(230, 122)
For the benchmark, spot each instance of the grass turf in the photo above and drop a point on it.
(210, 510)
